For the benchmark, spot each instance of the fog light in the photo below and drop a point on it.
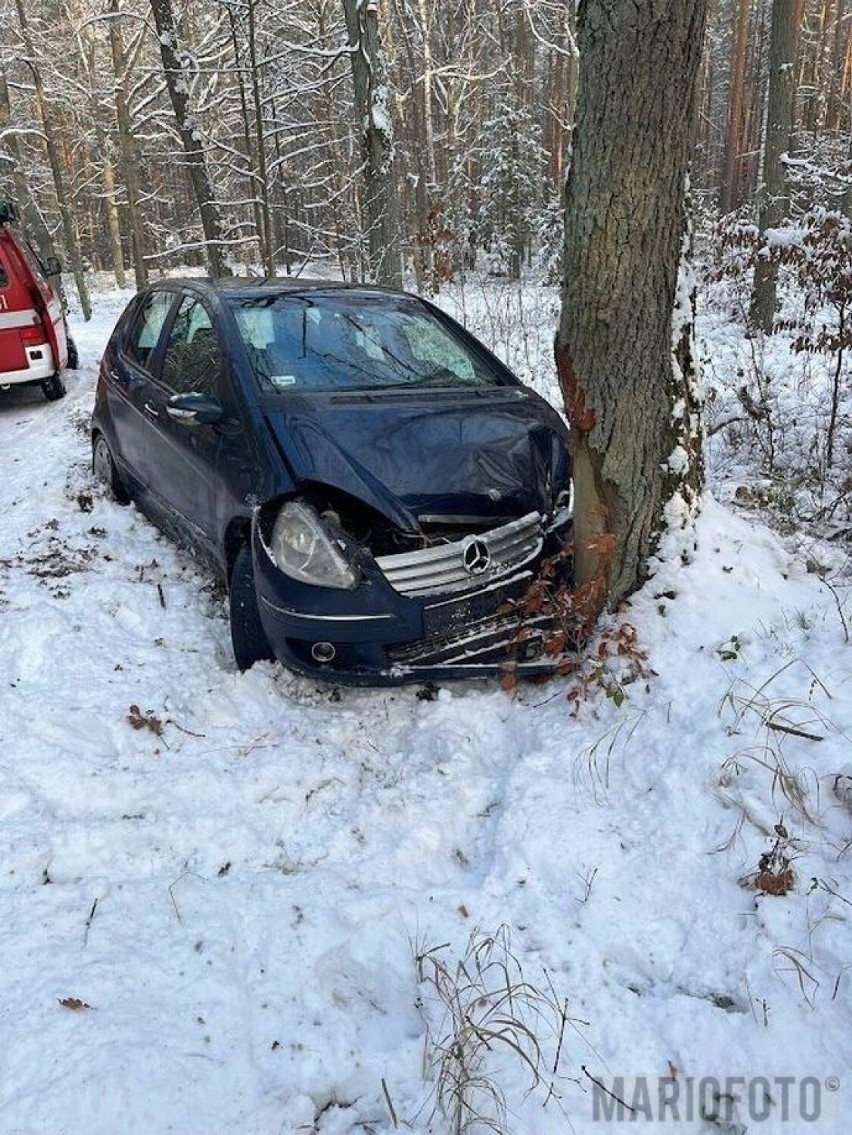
(323, 651)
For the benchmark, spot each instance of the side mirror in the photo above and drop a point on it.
(52, 266)
(195, 409)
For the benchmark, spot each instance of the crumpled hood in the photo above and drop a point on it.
(499, 454)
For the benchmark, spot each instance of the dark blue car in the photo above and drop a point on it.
(374, 486)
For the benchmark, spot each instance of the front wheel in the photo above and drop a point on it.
(53, 387)
(247, 635)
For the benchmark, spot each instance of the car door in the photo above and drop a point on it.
(131, 386)
(182, 457)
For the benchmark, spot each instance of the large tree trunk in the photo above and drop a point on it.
(774, 203)
(622, 357)
(177, 84)
(372, 109)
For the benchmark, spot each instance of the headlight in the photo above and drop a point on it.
(303, 549)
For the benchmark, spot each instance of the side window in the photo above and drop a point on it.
(192, 362)
(148, 325)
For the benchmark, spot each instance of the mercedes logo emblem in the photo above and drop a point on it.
(476, 557)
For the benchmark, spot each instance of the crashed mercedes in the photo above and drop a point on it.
(377, 490)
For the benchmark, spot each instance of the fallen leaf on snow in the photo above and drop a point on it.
(74, 1004)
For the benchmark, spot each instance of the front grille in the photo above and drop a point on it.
(443, 567)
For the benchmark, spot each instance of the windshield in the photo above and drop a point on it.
(322, 341)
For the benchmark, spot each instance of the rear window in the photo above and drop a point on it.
(4, 279)
(148, 325)
(324, 341)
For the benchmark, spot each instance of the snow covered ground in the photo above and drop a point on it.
(244, 903)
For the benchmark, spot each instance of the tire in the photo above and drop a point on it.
(53, 387)
(247, 635)
(103, 467)
(73, 355)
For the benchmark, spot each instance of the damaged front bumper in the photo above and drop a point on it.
(444, 612)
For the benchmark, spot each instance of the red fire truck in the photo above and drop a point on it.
(34, 343)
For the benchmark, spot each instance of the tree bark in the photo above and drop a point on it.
(262, 175)
(372, 109)
(623, 359)
(418, 139)
(127, 148)
(774, 202)
(101, 154)
(177, 84)
(111, 207)
(834, 107)
(730, 196)
(262, 231)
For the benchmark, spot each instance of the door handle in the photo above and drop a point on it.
(151, 410)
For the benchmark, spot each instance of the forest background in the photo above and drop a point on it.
(109, 109)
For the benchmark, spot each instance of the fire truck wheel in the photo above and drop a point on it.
(53, 387)
(73, 355)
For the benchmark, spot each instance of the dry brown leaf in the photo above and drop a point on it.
(775, 882)
(74, 1004)
(139, 720)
